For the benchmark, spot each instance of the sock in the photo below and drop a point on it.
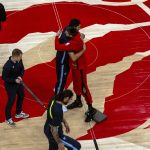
(78, 98)
(90, 108)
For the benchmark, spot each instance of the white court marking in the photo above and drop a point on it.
(93, 31)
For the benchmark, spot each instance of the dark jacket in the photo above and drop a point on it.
(62, 57)
(11, 71)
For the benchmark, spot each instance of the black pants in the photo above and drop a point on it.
(69, 143)
(62, 72)
(13, 90)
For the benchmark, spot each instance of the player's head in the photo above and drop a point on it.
(71, 32)
(17, 54)
(65, 96)
(75, 23)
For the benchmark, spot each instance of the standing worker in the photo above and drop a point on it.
(12, 74)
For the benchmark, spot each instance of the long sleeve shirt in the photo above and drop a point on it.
(75, 45)
(12, 70)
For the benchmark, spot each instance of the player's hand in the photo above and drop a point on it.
(84, 47)
(19, 78)
(67, 127)
(18, 81)
(61, 146)
(59, 32)
(82, 36)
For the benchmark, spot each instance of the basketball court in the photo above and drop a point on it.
(117, 36)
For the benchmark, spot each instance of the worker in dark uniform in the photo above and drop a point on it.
(53, 126)
(62, 58)
(2, 14)
(12, 75)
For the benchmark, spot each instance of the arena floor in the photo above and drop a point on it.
(118, 55)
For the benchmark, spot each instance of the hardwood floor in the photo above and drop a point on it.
(38, 48)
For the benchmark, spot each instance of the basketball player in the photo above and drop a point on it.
(79, 74)
(62, 58)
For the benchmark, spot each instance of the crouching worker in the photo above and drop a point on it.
(53, 126)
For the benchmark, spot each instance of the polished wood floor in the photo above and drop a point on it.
(28, 135)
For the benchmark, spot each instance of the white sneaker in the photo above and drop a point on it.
(10, 122)
(22, 115)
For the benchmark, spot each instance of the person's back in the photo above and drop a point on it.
(62, 65)
(62, 57)
(81, 62)
(55, 115)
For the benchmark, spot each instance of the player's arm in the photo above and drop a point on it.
(69, 46)
(76, 56)
(66, 125)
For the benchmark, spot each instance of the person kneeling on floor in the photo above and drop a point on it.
(53, 126)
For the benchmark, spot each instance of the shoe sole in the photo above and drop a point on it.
(21, 117)
(13, 126)
(86, 113)
(88, 121)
